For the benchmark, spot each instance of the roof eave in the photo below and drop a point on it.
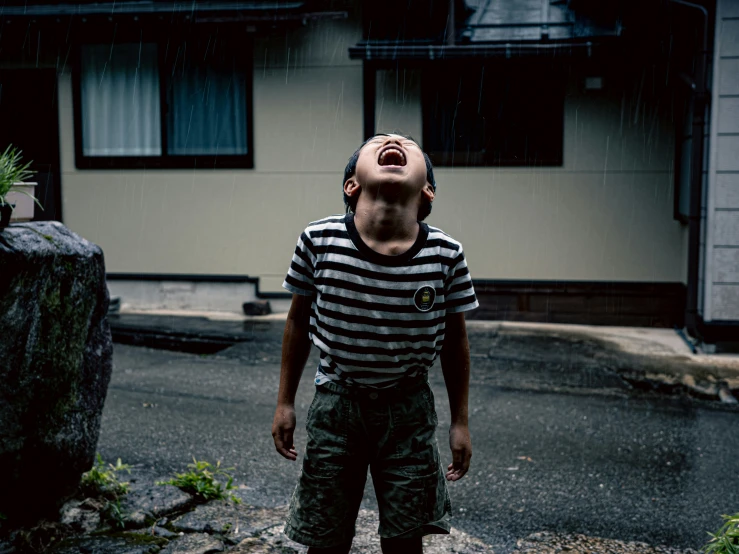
(391, 52)
(148, 7)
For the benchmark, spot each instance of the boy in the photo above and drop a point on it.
(379, 293)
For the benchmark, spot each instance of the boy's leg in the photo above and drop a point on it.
(324, 506)
(401, 546)
(407, 474)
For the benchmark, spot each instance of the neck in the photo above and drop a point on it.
(383, 221)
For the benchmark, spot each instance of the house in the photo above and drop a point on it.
(194, 140)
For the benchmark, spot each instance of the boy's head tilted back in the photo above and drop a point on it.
(392, 166)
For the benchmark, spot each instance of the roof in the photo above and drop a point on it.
(504, 27)
(530, 20)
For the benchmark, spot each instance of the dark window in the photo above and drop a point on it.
(492, 114)
(180, 104)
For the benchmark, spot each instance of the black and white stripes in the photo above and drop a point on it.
(377, 319)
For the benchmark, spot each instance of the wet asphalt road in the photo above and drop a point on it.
(595, 459)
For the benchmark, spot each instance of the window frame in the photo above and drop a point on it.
(148, 34)
(439, 68)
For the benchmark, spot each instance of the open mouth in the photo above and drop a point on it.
(392, 156)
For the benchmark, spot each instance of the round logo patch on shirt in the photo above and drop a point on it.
(424, 298)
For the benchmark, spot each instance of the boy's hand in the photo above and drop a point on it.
(461, 445)
(283, 427)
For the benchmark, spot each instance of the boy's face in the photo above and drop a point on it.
(393, 167)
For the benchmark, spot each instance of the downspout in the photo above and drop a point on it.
(451, 37)
(696, 175)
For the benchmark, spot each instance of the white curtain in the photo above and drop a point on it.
(120, 100)
(207, 110)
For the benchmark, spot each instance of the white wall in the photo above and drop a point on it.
(605, 215)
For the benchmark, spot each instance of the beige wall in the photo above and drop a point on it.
(605, 215)
(307, 120)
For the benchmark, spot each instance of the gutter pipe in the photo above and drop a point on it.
(700, 102)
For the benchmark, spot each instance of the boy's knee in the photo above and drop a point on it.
(402, 546)
(343, 549)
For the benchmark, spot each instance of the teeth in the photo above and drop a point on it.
(382, 156)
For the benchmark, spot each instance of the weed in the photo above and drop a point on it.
(115, 515)
(726, 539)
(104, 482)
(201, 482)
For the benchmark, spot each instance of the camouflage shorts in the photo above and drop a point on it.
(392, 433)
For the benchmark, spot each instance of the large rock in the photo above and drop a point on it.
(197, 543)
(55, 364)
(146, 502)
(224, 517)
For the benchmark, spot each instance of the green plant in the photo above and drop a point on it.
(115, 515)
(104, 481)
(12, 171)
(201, 482)
(726, 539)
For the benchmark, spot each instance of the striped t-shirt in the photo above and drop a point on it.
(377, 319)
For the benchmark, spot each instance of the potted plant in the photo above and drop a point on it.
(14, 188)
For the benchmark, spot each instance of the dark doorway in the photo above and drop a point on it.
(29, 119)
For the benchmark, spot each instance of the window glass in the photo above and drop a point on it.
(493, 114)
(206, 100)
(120, 104)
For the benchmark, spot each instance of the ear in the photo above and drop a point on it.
(351, 187)
(428, 192)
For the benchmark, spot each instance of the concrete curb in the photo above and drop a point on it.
(652, 360)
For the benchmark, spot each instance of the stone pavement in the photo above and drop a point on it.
(162, 519)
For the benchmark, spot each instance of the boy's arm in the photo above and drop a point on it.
(455, 365)
(295, 350)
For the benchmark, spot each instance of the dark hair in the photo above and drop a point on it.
(351, 167)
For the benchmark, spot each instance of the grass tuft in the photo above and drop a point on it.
(201, 482)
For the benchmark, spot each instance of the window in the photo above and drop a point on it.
(120, 100)
(184, 103)
(493, 114)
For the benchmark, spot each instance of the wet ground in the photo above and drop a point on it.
(561, 442)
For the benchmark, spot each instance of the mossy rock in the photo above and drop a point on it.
(55, 364)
